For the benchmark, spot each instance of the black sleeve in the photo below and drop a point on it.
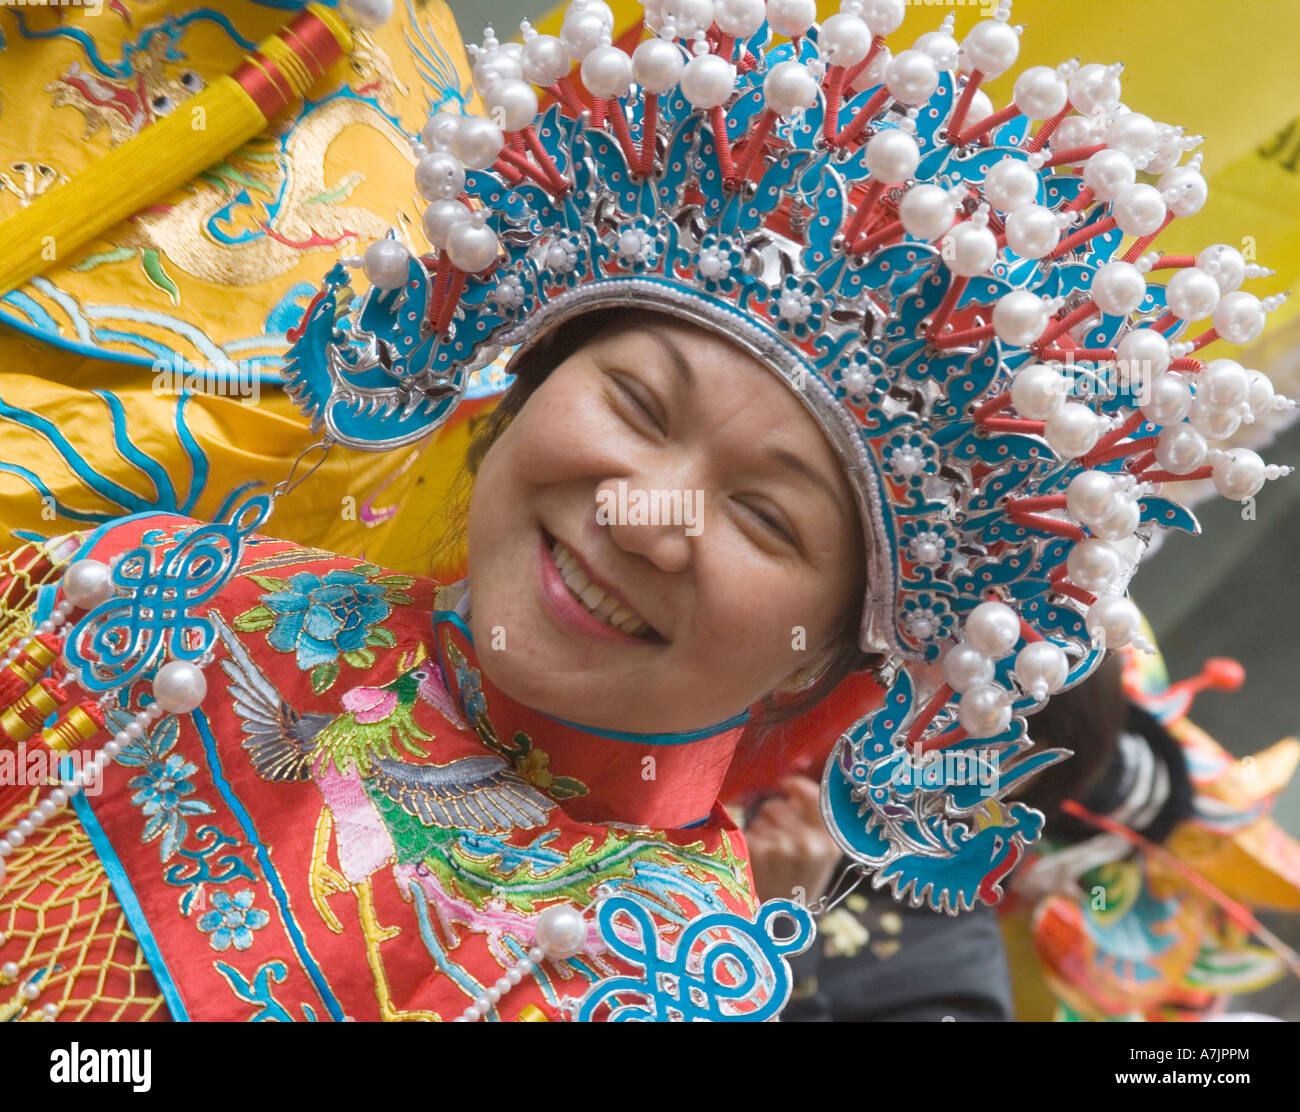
(878, 960)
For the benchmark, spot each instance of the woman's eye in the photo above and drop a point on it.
(638, 398)
(771, 523)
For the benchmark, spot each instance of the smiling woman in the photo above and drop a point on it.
(660, 404)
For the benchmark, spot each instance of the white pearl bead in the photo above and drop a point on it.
(990, 47)
(741, 18)
(494, 69)
(15, 838)
(1108, 173)
(1240, 317)
(1224, 383)
(657, 65)
(5, 848)
(368, 14)
(122, 737)
(1180, 449)
(1259, 393)
(874, 74)
(1040, 92)
(1093, 565)
(964, 666)
(561, 931)
(1240, 474)
(1075, 131)
(1132, 134)
(943, 48)
(607, 72)
(1042, 668)
(582, 32)
(440, 218)
(1186, 190)
(35, 819)
(512, 104)
(1094, 86)
(1192, 294)
(179, 687)
(1118, 288)
(47, 808)
(386, 263)
(1091, 496)
(50, 1010)
(1138, 210)
(1037, 391)
(1032, 231)
(31, 990)
(707, 81)
(112, 749)
(1113, 621)
(1143, 352)
(1226, 265)
(10, 970)
(72, 787)
(513, 976)
(1010, 184)
(788, 88)
(493, 996)
(969, 250)
(1119, 524)
(544, 60)
(440, 129)
(912, 77)
(502, 986)
(690, 17)
(981, 108)
(58, 797)
(884, 17)
(1212, 422)
(1019, 318)
(87, 583)
(477, 142)
(926, 211)
(993, 628)
(791, 17)
(536, 955)
(892, 156)
(472, 246)
(845, 39)
(1072, 431)
(983, 711)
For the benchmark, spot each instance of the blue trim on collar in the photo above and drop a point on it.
(684, 737)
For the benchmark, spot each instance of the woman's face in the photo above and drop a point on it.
(606, 590)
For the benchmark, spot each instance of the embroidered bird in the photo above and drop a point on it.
(357, 760)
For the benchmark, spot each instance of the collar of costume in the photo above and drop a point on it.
(597, 775)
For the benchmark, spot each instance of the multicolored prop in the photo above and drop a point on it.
(722, 968)
(942, 286)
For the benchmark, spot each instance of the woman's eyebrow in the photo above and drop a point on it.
(793, 463)
(679, 361)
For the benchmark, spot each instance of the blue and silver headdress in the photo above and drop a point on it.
(941, 284)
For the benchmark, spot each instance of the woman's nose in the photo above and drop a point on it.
(658, 523)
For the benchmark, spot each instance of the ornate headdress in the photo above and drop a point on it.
(940, 283)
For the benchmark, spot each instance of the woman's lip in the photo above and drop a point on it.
(567, 611)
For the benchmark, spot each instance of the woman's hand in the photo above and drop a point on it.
(790, 850)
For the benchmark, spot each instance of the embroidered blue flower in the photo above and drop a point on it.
(470, 686)
(232, 920)
(322, 618)
(162, 785)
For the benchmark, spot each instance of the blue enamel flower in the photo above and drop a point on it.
(720, 263)
(927, 544)
(470, 686)
(909, 457)
(638, 245)
(322, 617)
(860, 380)
(927, 620)
(232, 920)
(799, 307)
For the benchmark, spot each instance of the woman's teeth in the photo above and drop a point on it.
(606, 607)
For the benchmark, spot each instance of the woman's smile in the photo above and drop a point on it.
(580, 605)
